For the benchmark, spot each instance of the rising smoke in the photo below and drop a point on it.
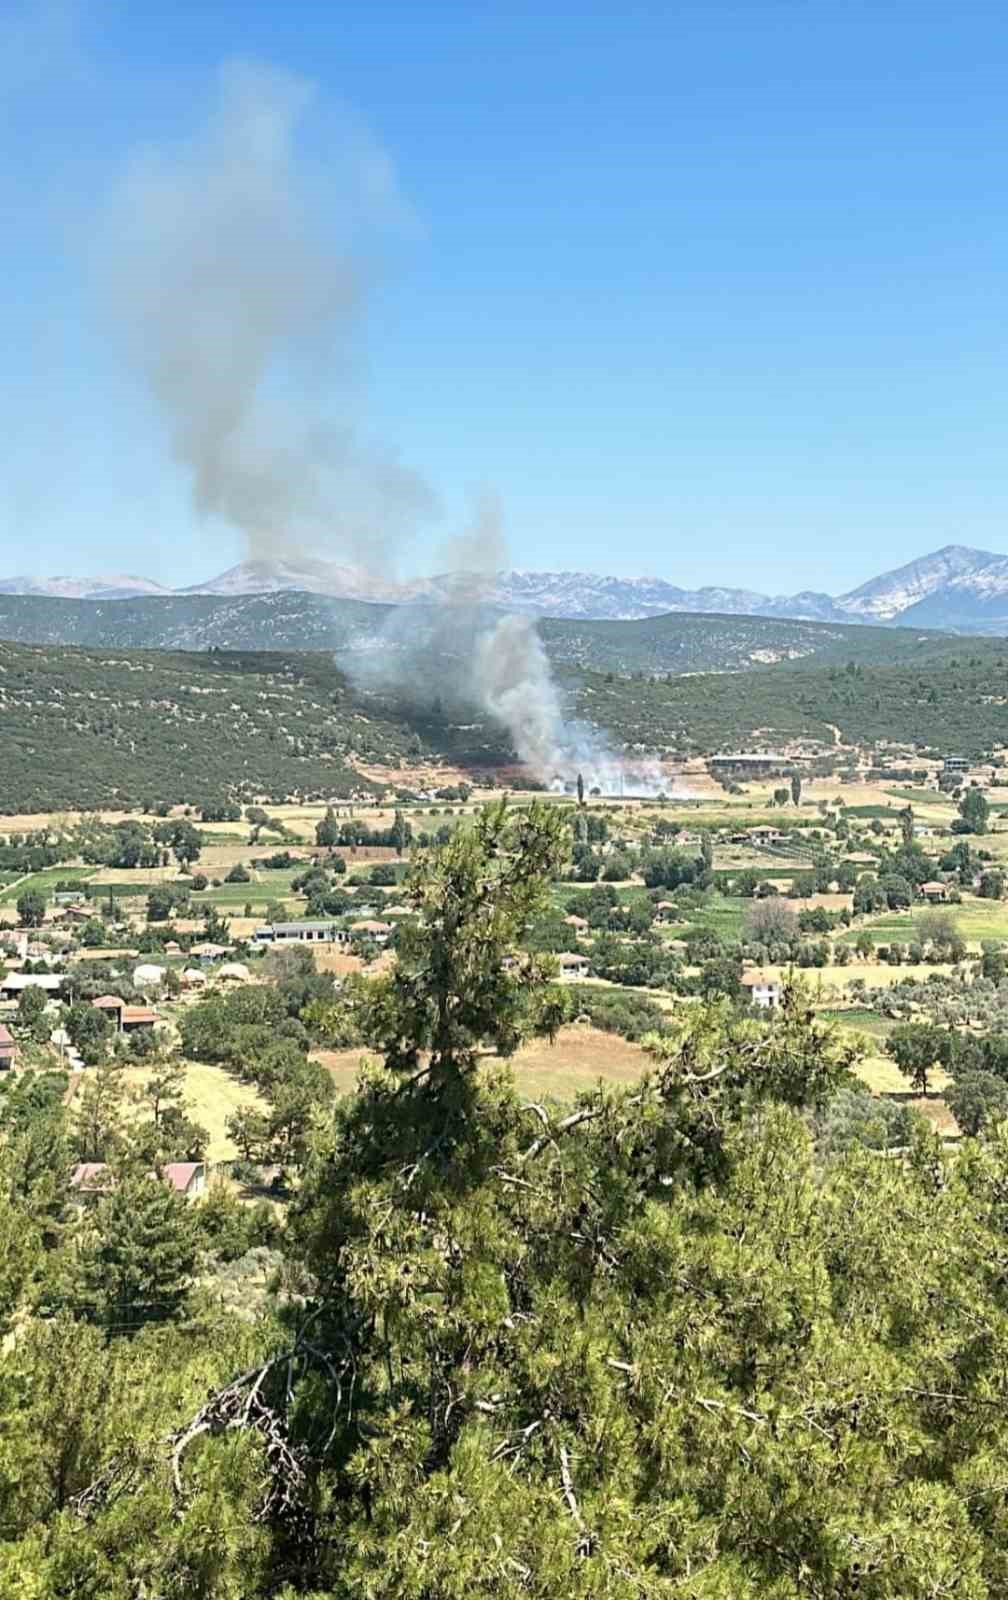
(238, 296)
(231, 286)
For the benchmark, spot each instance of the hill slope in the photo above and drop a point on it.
(677, 642)
(105, 729)
(93, 729)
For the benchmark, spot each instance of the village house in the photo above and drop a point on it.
(763, 989)
(112, 1006)
(137, 1019)
(234, 972)
(207, 953)
(665, 912)
(579, 924)
(764, 837)
(186, 1177)
(91, 1180)
(370, 928)
(14, 984)
(8, 1050)
(573, 966)
(935, 890)
(127, 1019)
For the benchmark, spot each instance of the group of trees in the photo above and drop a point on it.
(332, 833)
(691, 1337)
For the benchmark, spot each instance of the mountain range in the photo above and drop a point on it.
(956, 588)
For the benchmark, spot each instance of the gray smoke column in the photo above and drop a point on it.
(235, 283)
(514, 683)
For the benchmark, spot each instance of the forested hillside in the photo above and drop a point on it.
(84, 728)
(91, 728)
(298, 621)
(959, 703)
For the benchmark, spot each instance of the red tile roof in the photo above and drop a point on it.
(181, 1173)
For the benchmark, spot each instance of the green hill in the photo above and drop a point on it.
(90, 728)
(678, 642)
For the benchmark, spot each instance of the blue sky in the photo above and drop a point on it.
(712, 291)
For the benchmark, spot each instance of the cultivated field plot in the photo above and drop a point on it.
(976, 920)
(859, 1019)
(44, 882)
(578, 1058)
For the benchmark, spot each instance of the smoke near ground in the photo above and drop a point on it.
(239, 304)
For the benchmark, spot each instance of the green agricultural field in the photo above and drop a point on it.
(859, 1019)
(264, 887)
(127, 888)
(976, 920)
(921, 797)
(722, 915)
(44, 881)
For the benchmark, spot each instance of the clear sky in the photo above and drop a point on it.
(713, 291)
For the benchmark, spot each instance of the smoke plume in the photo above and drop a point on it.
(238, 296)
(230, 296)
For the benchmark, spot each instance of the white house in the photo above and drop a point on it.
(764, 989)
(15, 983)
(572, 966)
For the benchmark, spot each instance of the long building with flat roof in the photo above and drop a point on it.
(309, 930)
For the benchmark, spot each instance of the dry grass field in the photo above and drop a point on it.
(578, 1058)
(211, 1095)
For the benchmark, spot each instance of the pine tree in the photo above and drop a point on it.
(139, 1262)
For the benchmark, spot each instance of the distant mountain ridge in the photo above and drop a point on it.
(957, 588)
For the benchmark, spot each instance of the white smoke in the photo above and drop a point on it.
(512, 680)
(238, 296)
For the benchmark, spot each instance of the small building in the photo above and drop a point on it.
(371, 928)
(205, 954)
(579, 924)
(764, 837)
(573, 965)
(91, 1180)
(148, 975)
(136, 1019)
(763, 989)
(935, 890)
(666, 911)
(955, 764)
(113, 1007)
(8, 1050)
(186, 1177)
(309, 930)
(15, 983)
(234, 972)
